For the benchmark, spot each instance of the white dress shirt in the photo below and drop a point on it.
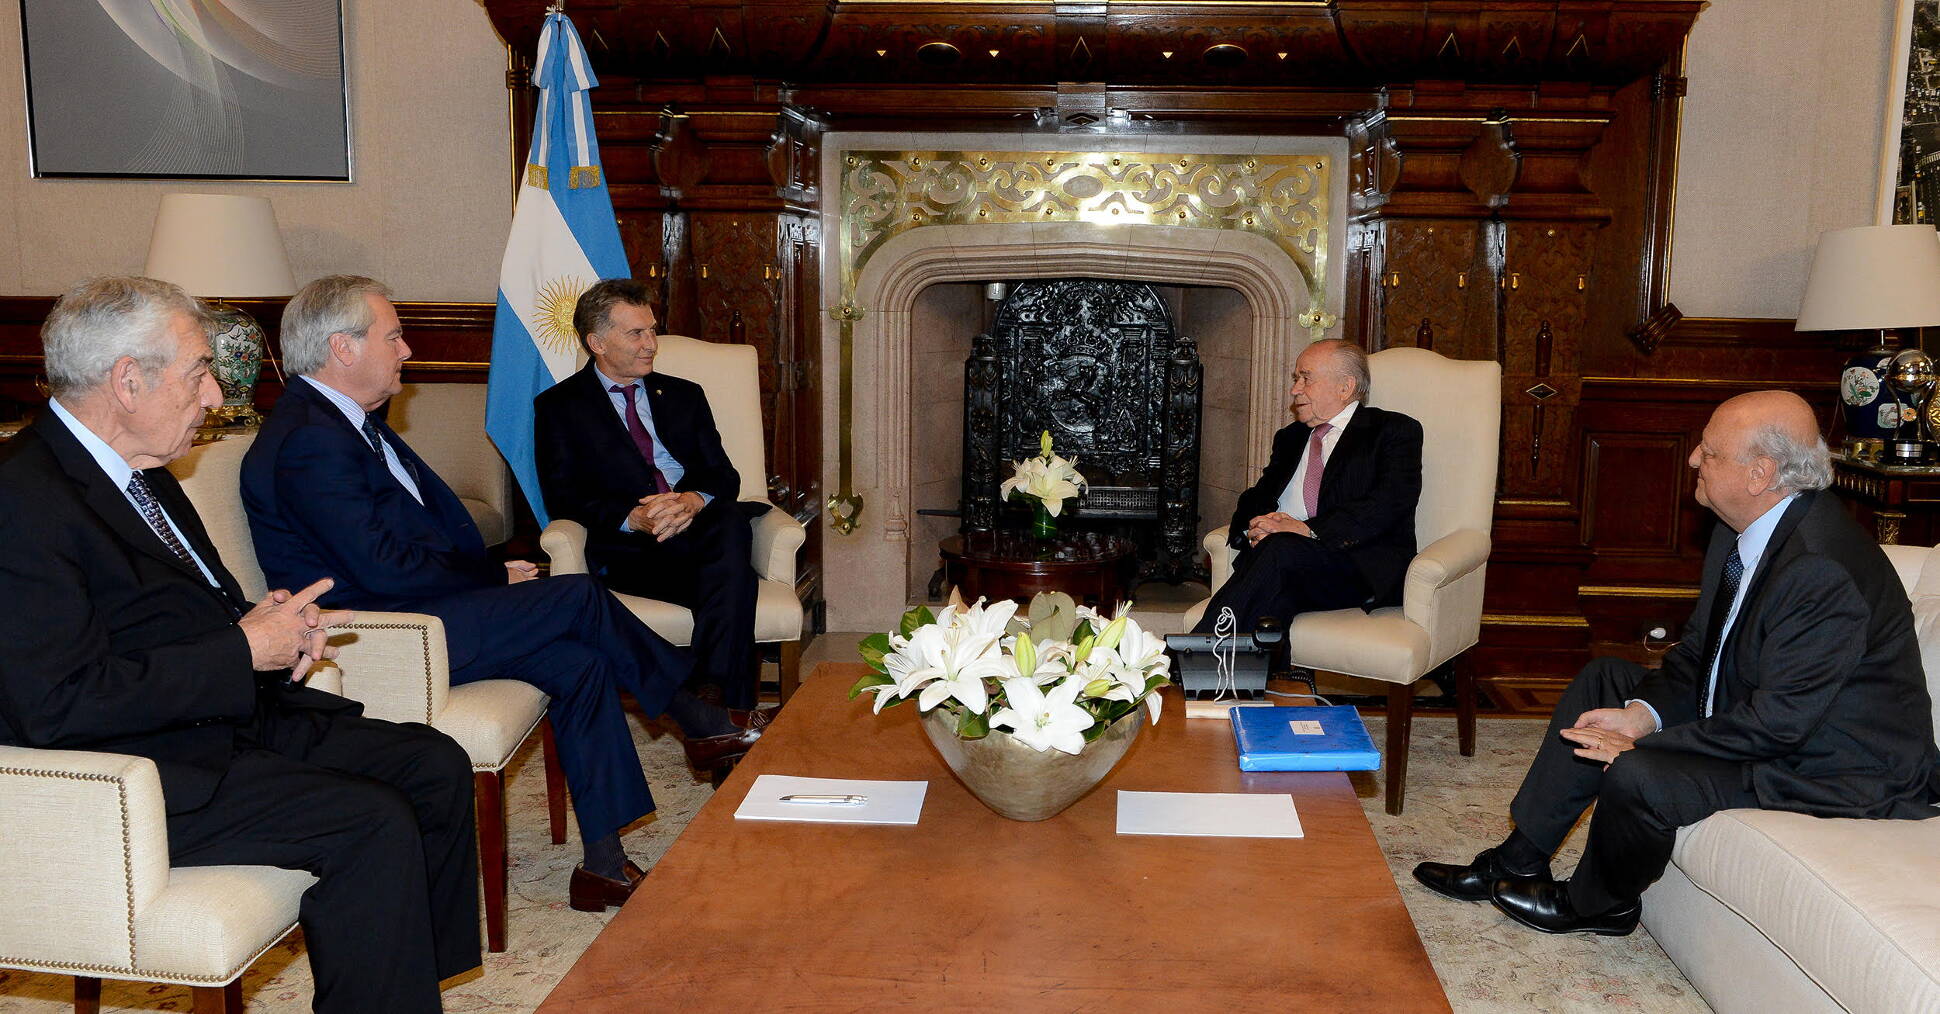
(119, 472)
(1291, 500)
(355, 413)
(1752, 543)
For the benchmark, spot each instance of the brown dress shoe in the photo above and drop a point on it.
(710, 753)
(591, 892)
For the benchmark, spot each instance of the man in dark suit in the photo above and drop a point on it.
(330, 489)
(634, 456)
(1797, 686)
(126, 634)
(1331, 522)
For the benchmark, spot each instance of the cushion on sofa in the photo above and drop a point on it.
(1853, 902)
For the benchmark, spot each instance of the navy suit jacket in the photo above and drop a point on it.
(321, 503)
(1368, 494)
(1821, 695)
(114, 643)
(591, 471)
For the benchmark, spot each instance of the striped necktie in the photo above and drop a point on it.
(151, 512)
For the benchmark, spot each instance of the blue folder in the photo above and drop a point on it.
(1267, 740)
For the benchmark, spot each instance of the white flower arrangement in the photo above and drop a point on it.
(980, 663)
(1048, 479)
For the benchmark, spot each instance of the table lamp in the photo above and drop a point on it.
(1880, 278)
(218, 247)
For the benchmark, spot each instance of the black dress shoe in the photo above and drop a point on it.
(1546, 906)
(591, 892)
(757, 718)
(1472, 882)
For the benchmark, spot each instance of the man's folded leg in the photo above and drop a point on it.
(386, 827)
(707, 569)
(1283, 576)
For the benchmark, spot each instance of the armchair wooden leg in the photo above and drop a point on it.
(1401, 717)
(555, 784)
(1465, 706)
(87, 995)
(218, 999)
(791, 669)
(488, 801)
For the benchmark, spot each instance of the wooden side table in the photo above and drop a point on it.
(1089, 566)
(1900, 503)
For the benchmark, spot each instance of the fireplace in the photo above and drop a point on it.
(906, 303)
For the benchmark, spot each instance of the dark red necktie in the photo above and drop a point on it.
(641, 438)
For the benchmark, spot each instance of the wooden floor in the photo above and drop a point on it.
(969, 909)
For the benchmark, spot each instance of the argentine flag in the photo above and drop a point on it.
(563, 240)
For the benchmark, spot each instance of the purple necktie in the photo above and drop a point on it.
(641, 438)
(1310, 487)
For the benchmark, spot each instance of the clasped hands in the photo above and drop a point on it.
(289, 631)
(665, 515)
(1278, 521)
(1603, 733)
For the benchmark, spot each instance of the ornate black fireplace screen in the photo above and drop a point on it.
(1098, 364)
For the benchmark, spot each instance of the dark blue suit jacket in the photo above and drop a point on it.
(322, 504)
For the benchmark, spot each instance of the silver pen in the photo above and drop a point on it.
(827, 800)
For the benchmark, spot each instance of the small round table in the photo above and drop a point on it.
(1088, 566)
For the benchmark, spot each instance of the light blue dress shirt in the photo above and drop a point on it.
(670, 467)
(119, 472)
(1752, 543)
(355, 413)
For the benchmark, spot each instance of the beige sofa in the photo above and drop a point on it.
(1769, 912)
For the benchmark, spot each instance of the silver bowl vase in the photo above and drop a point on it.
(1025, 784)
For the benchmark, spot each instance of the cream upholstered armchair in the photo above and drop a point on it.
(89, 891)
(395, 664)
(445, 424)
(728, 373)
(1459, 406)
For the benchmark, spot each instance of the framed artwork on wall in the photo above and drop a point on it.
(1910, 161)
(187, 89)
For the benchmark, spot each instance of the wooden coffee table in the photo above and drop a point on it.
(1092, 566)
(968, 910)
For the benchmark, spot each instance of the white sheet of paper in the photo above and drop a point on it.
(1208, 814)
(1307, 727)
(889, 802)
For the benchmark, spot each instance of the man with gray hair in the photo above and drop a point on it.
(125, 633)
(1797, 685)
(1331, 522)
(331, 490)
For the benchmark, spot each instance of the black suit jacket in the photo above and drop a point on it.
(322, 504)
(590, 471)
(1368, 494)
(1821, 694)
(113, 643)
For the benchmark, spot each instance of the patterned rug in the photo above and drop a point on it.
(1456, 806)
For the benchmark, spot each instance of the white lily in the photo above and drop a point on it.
(1049, 478)
(945, 662)
(1044, 721)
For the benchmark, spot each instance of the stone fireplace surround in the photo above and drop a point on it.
(900, 375)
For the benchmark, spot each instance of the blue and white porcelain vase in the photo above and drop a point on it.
(1872, 411)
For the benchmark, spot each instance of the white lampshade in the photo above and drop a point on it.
(219, 246)
(1873, 277)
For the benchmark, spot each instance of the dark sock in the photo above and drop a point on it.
(1520, 855)
(697, 718)
(606, 858)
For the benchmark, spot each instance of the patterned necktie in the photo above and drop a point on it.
(1734, 570)
(641, 438)
(151, 511)
(1310, 488)
(376, 438)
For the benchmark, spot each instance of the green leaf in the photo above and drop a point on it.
(872, 679)
(915, 618)
(872, 649)
(1083, 630)
(1154, 682)
(1026, 655)
(971, 725)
